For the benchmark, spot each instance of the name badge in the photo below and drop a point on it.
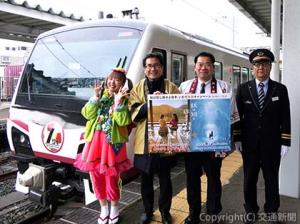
(248, 102)
(275, 98)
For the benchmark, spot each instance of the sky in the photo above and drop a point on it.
(217, 20)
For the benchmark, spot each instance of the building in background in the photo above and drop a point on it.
(12, 59)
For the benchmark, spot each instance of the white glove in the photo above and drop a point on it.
(284, 150)
(238, 146)
(220, 154)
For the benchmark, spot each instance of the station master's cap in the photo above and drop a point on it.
(261, 55)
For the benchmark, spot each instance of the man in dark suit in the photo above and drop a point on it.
(264, 110)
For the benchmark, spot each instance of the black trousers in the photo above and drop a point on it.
(269, 163)
(195, 163)
(165, 194)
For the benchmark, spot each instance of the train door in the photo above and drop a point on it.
(178, 63)
(164, 56)
(245, 74)
(236, 72)
(218, 70)
(251, 74)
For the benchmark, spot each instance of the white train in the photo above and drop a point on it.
(45, 127)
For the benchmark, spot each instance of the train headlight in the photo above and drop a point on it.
(21, 142)
(22, 139)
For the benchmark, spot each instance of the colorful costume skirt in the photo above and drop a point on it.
(100, 155)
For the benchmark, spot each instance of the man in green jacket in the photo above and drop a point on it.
(150, 164)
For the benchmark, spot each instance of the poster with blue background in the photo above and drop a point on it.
(210, 123)
(202, 123)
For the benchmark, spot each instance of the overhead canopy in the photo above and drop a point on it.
(23, 22)
(259, 11)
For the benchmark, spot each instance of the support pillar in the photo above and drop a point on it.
(290, 166)
(275, 37)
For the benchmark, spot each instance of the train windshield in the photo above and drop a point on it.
(65, 65)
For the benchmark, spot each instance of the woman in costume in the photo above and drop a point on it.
(104, 155)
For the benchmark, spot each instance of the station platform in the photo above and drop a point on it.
(180, 209)
(232, 199)
(131, 206)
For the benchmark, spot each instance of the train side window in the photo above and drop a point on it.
(236, 72)
(164, 54)
(178, 67)
(245, 74)
(252, 74)
(218, 70)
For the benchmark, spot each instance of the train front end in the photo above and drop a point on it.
(45, 127)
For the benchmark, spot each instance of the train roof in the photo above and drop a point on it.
(136, 24)
(209, 43)
(141, 25)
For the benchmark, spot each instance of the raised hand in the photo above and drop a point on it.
(98, 86)
(123, 92)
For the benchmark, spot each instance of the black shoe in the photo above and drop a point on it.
(192, 220)
(166, 218)
(146, 218)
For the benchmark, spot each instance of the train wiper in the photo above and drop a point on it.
(28, 72)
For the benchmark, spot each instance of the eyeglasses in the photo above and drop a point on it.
(200, 65)
(155, 66)
(263, 64)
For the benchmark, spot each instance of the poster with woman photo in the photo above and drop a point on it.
(202, 123)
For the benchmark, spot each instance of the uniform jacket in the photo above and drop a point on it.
(270, 126)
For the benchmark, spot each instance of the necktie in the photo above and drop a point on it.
(261, 95)
(202, 88)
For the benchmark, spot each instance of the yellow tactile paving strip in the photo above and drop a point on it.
(180, 209)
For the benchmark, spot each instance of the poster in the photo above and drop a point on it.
(189, 123)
